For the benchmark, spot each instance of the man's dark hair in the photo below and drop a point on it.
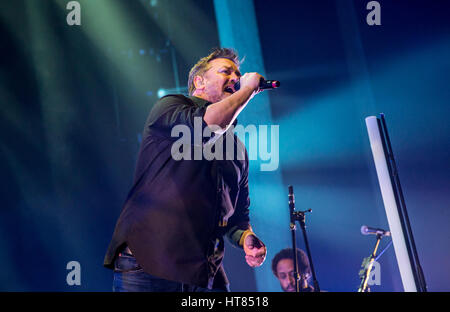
(287, 253)
(203, 64)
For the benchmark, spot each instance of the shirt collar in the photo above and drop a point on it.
(199, 102)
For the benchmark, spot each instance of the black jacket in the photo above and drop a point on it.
(177, 212)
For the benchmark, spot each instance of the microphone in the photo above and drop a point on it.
(263, 84)
(366, 230)
(291, 197)
(291, 206)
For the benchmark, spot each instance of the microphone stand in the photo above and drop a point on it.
(368, 267)
(300, 217)
(293, 229)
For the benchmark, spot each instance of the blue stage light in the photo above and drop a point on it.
(161, 92)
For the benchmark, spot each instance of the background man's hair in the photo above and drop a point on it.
(203, 64)
(303, 262)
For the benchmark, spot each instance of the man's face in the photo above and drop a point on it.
(285, 274)
(218, 81)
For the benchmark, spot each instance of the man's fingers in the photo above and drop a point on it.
(255, 261)
(252, 241)
(251, 80)
(255, 251)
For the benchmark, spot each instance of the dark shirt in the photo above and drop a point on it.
(177, 212)
(307, 289)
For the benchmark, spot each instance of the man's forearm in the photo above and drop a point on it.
(224, 112)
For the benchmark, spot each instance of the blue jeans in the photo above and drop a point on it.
(130, 277)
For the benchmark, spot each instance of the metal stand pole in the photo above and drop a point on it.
(366, 273)
(300, 217)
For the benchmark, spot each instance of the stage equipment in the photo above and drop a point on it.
(263, 84)
(368, 262)
(405, 249)
(367, 230)
(300, 217)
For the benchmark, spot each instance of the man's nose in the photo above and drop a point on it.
(291, 280)
(234, 78)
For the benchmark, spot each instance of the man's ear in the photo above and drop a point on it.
(199, 82)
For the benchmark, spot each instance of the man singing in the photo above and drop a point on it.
(169, 236)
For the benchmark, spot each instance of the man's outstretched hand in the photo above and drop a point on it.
(255, 251)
